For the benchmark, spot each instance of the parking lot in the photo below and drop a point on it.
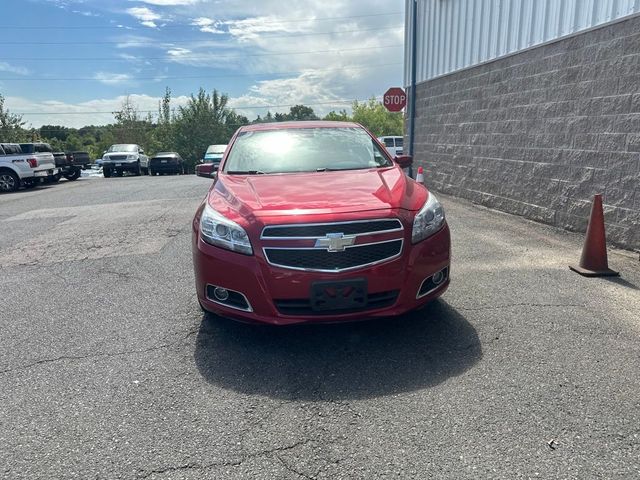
(108, 368)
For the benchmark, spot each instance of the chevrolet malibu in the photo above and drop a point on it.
(316, 222)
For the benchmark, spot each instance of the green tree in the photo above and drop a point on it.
(302, 112)
(341, 116)
(204, 120)
(131, 127)
(55, 131)
(375, 117)
(11, 125)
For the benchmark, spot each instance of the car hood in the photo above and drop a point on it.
(315, 193)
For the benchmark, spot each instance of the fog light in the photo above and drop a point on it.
(438, 278)
(221, 294)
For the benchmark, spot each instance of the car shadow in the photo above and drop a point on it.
(622, 282)
(339, 361)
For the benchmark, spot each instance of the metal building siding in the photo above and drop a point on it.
(455, 34)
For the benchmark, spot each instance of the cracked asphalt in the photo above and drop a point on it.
(108, 369)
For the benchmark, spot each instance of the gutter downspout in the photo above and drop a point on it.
(414, 61)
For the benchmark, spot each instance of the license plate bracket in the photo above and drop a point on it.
(339, 295)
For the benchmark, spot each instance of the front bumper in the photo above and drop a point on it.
(207, 169)
(266, 286)
(120, 165)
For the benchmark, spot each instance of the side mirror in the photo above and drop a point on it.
(405, 161)
(141, 151)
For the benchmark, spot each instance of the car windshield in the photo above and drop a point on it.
(123, 148)
(304, 150)
(216, 149)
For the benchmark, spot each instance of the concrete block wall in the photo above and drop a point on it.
(540, 132)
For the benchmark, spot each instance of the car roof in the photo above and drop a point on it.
(299, 124)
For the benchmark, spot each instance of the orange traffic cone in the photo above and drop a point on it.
(593, 262)
(420, 175)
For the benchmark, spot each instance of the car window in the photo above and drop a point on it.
(304, 150)
(123, 148)
(388, 142)
(42, 148)
(399, 141)
(26, 147)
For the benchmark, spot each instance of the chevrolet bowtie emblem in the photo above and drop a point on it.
(335, 242)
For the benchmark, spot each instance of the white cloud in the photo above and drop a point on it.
(76, 115)
(109, 78)
(146, 16)
(207, 25)
(7, 67)
(86, 13)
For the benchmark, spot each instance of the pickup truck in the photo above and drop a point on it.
(23, 169)
(71, 164)
(121, 158)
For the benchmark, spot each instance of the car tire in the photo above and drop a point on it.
(151, 172)
(9, 181)
(56, 178)
(73, 175)
(106, 172)
(138, 170)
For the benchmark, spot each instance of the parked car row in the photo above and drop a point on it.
(129, 157)
(26, 165)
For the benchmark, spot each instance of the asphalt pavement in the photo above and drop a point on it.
(108, 368)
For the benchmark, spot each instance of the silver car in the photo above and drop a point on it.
(124, 157)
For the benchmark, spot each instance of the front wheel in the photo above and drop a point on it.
(9, 182)
(106, 172)
(73, 174)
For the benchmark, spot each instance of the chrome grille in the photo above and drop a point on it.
(317, 230)
(333, 247)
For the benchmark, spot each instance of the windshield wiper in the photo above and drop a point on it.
(246, 172)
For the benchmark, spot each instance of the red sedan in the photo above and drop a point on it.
(315, 222)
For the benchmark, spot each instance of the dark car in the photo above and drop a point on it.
(71, 164)
(166, 162)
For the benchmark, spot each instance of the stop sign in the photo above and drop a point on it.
(394, 99)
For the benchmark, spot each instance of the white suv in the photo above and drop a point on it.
(124, 157)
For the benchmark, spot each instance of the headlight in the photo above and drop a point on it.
(428, 220)
(105, 157)
(131, 157)
(222, 232)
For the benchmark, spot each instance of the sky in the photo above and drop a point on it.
(73, 62)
